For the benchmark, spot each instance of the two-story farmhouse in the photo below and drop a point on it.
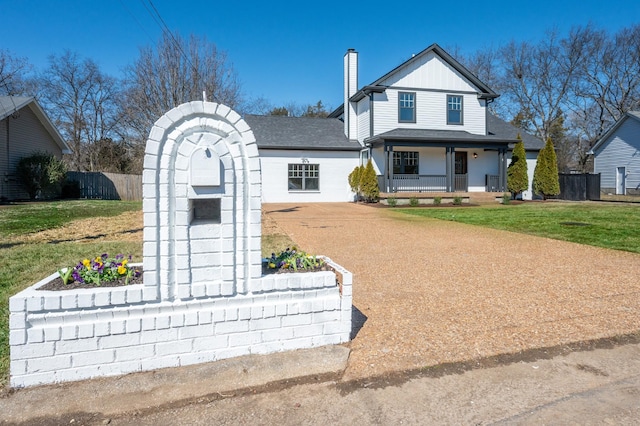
(425, 125)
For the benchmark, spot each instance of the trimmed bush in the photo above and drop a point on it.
(457, 201)
(545, 176)
(41, 175)
(369, 184)
(392, 202)
(517, 179)
(437, 201)
(413, 202)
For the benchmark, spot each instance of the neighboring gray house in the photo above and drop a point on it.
(616, 156)
(24, 129)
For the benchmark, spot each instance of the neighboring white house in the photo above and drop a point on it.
(617, 156)
(24, 129)
(425, 125)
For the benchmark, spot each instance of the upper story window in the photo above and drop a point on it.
(304, 177)
(407, 107)
(454, 109)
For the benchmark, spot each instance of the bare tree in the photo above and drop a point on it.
(537, 78)
(82, 102)
(175, 72)
(608, 84)
(13, 71)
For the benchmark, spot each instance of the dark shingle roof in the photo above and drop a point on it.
(498, 127)
(280, 132)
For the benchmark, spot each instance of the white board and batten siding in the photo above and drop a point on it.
(429, 72)
(622, 149)
(334, 167)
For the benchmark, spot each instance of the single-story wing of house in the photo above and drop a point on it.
(24, 129)
(425, 125)
(616, 156)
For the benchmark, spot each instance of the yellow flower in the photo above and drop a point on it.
(122, 270)
(272, 265)
(124, 262)
(86, 263)
(98, 259)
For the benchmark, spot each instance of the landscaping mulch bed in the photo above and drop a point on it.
(58, 285)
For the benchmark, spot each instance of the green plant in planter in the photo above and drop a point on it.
(413, 202)
(437, 201)
(392, 201)
(457, 201)
(293, 259)
(100, 270)
(506, 199)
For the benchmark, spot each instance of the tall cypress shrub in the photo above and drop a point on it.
(369, 184)
(355, 179)
(545, 176)
(517, 178)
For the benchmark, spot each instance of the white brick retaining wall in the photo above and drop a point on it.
(59, 336)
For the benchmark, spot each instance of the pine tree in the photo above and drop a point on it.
(517, 178)
(369, 184)
(545, 175)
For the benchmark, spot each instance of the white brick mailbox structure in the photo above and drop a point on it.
(204, 297)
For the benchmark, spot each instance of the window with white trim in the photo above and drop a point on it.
(406, 107)
(454, 109)
(304, 177)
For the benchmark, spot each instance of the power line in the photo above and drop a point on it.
(155, 14)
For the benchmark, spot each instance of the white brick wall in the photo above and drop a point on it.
(204, 297)
(85, 340)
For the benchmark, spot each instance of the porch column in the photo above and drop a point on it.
(502, 170)
(388, 168)
(450, 159)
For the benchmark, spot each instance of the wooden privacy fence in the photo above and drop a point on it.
(108, 186)
(579, 187)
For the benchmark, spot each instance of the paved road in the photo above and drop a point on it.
(598, 387)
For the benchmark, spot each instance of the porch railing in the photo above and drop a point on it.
(461, 183)
(423, 183)
(492, 183)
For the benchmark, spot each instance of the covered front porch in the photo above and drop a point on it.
(451, 163)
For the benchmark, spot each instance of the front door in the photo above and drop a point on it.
(461, 183)
(621, 173)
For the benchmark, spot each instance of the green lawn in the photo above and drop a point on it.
(33, 217)
(23, 263)
(615, 226)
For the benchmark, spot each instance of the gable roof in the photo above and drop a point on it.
(485, 91)
(282, 132)
(12, 104)
(629, 114)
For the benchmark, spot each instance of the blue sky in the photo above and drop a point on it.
(291, 51)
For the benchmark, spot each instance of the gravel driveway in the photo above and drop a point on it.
(432, 292)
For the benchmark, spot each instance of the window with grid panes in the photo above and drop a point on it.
(405, 163)
(304, 177)
(406, 107)
(454, 109)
